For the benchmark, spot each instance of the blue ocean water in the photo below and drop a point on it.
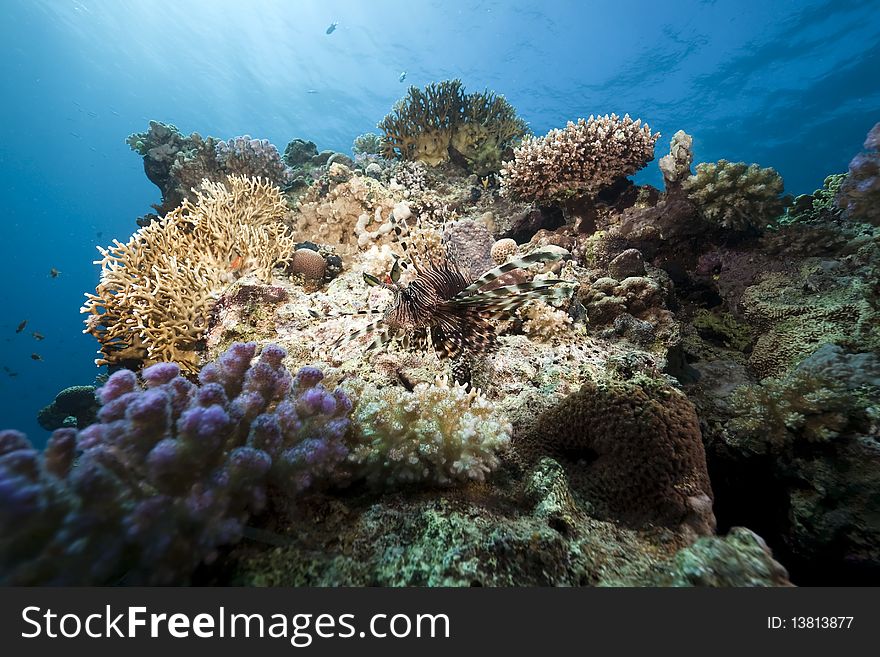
(789, 84)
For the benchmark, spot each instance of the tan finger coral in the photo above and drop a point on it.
(578, 160)
(157, 290)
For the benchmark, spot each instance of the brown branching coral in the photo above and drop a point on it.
(441, 121)
(578, 160)
(157, 290)
(635, 451)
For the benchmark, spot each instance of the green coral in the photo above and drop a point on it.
(724, 327)
(441, 121)
(819, 206)
(438, 433)
(827, 396)
(737, 196)
(368, 143)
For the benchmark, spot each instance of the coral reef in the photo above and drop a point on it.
(171, 471)
(818, 207)
(368, 143)
(737, 196)
(859, 195)
(634, 449)
(439, 433)
(578, 160)
(676, 166)
(442, 122)
(75, 406)
(256, 158)
(794, 313)
(529, 534)
(157, 290)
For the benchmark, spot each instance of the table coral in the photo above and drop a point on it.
(578, 160)
(157, 290)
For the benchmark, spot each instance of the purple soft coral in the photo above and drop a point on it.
(171, 471)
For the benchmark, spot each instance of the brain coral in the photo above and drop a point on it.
(634, 448)
(438, 433)
(156, 291)
(738, 196)
(431, 125)
(578, 160)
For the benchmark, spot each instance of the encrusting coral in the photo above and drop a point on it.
(170, 472)
(439, 433)
(157, 290)
(441, 121)
(578, 160)
(737, 196)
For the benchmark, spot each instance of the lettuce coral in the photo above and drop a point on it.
(438, 433)
(578, 160)
(156, 291)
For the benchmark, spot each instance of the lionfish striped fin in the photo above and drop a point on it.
(372, 326)
(517, 263)
(317, 315)
(532, 289)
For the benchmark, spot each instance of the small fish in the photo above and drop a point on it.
(36, 356)
(311, 91)
(236, 263)
(332, 28)
(99, 234)
(54, 272)
(21, 326)
(37, 335)
(401, 77)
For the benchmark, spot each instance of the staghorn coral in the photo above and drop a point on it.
(737, 196)
(676, 166)
(859, 195)
(634, 451)
(578, 160)
(441, 121)
(171, 471)
(439, 433)
(157, 290)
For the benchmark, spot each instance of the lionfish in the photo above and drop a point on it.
(444, 308)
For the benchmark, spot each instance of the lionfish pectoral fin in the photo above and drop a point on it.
(517, 263)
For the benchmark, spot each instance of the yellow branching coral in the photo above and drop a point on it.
(578, 160)
(439, 433)
(432, 124)
(157, 290)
